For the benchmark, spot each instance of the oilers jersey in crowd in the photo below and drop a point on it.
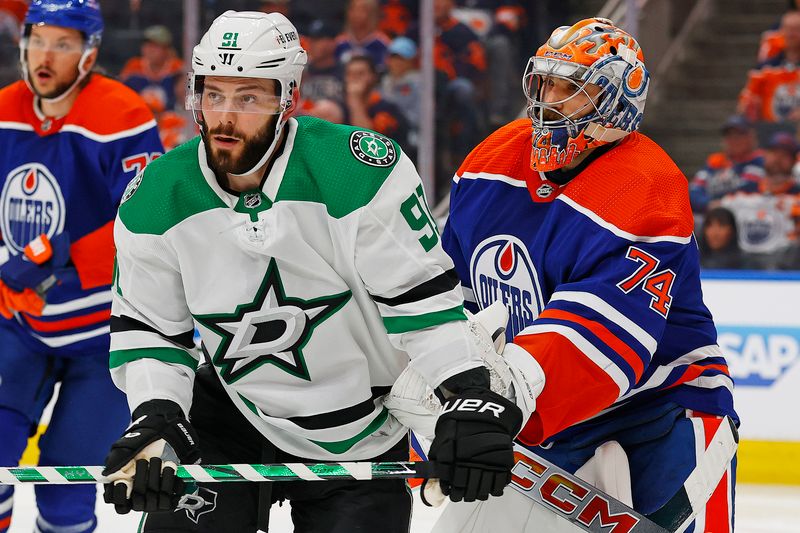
(600, 277)
(68, 175)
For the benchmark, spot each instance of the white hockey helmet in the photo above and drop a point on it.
(249, 44)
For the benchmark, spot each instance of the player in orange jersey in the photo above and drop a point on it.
(581, 228)
(71, 141)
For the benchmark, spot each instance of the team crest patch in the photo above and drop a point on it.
(373, 149)
(131, 187)
(501, 269)
(31, 203)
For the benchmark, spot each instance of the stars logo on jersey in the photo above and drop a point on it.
(272, 329)
(373, 149)
(199, 503)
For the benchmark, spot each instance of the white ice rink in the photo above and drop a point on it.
(759, 509)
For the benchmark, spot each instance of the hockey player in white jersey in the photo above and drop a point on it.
(307, 257)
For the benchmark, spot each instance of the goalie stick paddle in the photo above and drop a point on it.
(595, 511)
(69, 475)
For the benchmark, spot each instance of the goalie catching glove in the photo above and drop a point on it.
(143, 462)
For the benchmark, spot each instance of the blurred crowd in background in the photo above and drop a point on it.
(363, 62)
(364, 70)
(746, 199)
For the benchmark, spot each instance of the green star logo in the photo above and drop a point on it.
(373, 149)
(272, 329)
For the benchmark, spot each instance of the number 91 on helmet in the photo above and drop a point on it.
(260, 52)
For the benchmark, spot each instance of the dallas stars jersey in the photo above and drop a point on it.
(310, 294)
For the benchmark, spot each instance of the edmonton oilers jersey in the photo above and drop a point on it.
(67, 175)
(600, 278)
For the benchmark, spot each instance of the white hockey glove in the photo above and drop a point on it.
(514, 374)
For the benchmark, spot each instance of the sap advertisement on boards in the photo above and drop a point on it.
(758, 325)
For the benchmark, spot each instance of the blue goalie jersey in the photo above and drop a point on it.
(600, 277)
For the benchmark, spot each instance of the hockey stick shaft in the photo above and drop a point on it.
(69, 475)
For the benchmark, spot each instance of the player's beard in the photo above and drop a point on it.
(223, 162)
(60, 88)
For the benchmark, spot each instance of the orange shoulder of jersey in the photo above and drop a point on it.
(108, 107)
(15, 100)
(636, 191)
(504, 155)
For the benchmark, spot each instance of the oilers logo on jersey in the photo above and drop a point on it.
(501, 269)
(31, 204)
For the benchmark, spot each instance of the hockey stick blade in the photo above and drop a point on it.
(595, 511)
(69, 475)
(573, 499)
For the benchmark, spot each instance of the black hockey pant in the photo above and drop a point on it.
(226, 437)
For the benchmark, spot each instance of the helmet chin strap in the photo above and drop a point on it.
(278, 126)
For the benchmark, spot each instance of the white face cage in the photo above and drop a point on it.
(542, 69)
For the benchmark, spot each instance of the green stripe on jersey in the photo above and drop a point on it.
(167, 355)
(404, 324)
(344, 445)
(322, 169)
(172, 189)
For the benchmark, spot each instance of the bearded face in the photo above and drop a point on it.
(229, 150)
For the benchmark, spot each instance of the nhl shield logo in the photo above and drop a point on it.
(31, 204)
(252, 200)
(544, 190)
(501, 269)
(373, 149)
(131, 188)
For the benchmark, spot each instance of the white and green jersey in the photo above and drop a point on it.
(310, 294)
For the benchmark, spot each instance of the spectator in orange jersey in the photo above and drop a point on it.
(460, 55)
(739, 167)
(364, 105)
(772, 93)
(361, 35)
(172, 127)
(457, 50)
(157, 73)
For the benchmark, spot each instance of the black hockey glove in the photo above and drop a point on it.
(473, 445)
(138, 461)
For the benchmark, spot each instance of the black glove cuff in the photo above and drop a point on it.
(166, 408)
(474, 378)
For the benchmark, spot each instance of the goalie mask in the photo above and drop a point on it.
(603, 87)
(242, 45)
